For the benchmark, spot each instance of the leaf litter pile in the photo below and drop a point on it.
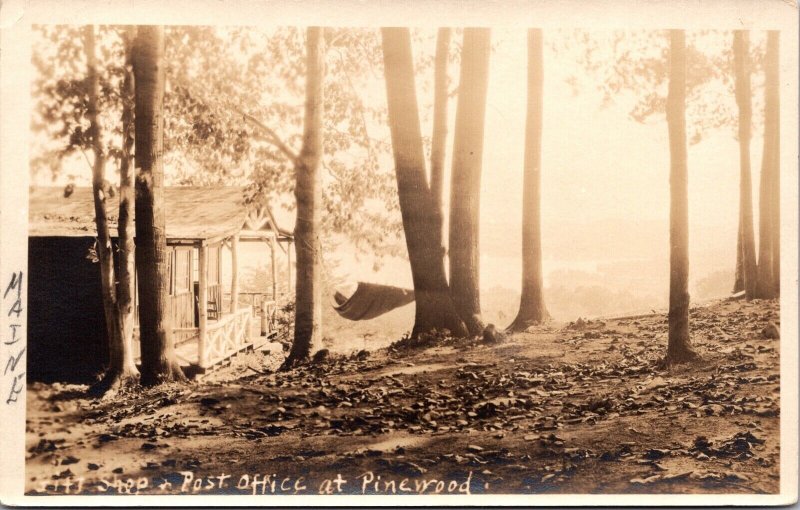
(586, 407)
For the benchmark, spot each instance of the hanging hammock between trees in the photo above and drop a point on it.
(371, 300)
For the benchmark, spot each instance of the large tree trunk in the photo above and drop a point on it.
(746, 251)
(439, 135)
(434, 307)
(465, 187)
(308, 192)
(766, 287)
(531, 308)
(158, 359)
(100, 191)
(679, 347)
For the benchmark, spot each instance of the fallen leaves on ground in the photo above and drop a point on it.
(533, 417)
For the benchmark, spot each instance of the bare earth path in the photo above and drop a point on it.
(581, 408)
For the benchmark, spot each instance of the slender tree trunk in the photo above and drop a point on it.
(122, 360)
(773, 41)
(746, 250)
(439, 136)
(434, 307)
(738, 275)
(766, 287)
(308, 192)
(100, 190)
(158, 358)
(679, 347)
(531, 308)
(465, 187)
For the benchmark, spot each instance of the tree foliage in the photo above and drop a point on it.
(637, 62)
(233, 111)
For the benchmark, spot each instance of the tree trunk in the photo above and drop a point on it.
(773, 42)
(308, 192)
(99, 191)
(746, 251)
(104, 247)
(465, 187)
(439, 135)
(158, 358)
(122, 360)
(434, 307)
(738, 275)
(531, 308)
(679, 347)
(766, 287)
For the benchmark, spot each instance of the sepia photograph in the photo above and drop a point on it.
(404, 258)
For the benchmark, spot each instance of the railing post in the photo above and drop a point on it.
(289, 270)
(202, 305)
(264, 318)
(236, 331)
(274, 269)
(235, 273)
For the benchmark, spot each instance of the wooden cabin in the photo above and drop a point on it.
(211, 319)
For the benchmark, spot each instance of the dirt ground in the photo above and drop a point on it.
(565, 408)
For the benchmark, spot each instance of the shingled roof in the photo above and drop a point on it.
(193, 213)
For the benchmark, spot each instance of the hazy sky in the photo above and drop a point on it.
(598, 164)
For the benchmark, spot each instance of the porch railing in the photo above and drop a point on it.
(180, 336)
(228, 335)
(264, 308)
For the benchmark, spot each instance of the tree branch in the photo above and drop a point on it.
(331, 172)
(271, 136)
(91, 166)
(359, 107)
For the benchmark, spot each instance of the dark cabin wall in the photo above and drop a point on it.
(66, 327)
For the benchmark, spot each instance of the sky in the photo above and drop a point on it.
(599, 168)
(605, 178)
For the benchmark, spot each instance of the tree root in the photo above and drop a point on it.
(113, 382)
(687, 355)
(528, 317)
(521, 325)
(292, 362)
(170, 372)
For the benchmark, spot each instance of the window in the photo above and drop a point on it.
(183, 267)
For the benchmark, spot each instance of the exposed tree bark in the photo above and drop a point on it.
(123, 359)
(679, 346)
(100, 190)
(773, 41)
(439, 135)
(738, 275)
(465, 187)
(158, 358)
(308, 192)
(746, 267)
(532, 309)
(766, 287)
(434, 307)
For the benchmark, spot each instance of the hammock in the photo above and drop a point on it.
(371, 300)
